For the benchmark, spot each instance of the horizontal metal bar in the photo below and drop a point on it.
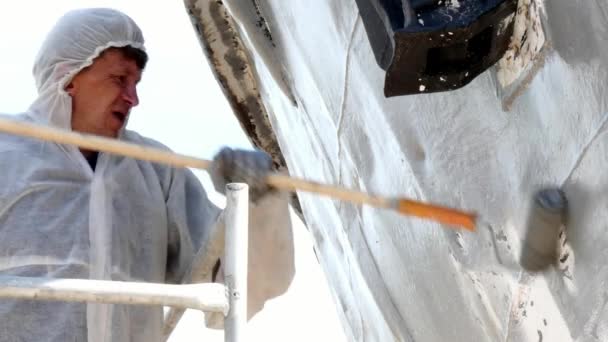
(205, 297)
(200, 271)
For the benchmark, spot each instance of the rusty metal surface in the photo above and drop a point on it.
(231, 66)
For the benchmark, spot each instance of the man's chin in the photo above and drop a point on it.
(114, 131)
(114, 134)
(110, 133)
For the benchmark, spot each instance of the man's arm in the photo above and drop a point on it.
(271, 248)
(192, 217)
(271, 264)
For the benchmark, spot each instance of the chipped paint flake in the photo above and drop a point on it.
(526, 44)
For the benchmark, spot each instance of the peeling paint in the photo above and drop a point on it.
(525, 55)
(224, 49)
(226, 53)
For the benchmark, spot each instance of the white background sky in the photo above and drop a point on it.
(182, 106)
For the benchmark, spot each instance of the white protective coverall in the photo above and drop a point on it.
(126, 220)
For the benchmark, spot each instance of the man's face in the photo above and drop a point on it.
(104, 93)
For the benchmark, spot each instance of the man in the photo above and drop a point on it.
(70, 213)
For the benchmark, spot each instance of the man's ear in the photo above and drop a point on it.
(70, 88)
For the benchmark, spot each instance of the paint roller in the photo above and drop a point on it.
(546, 217)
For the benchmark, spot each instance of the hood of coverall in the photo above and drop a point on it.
(75, 41)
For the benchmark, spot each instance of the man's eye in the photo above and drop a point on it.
(119, 79)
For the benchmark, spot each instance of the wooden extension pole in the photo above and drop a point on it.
(404, 206)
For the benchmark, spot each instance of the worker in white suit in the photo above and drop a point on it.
(72, 213)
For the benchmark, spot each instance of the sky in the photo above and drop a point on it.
(181, 104)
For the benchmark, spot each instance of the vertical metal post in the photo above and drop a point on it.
(237, 240)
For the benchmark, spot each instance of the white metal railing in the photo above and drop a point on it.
(206, 297)
(230, 299)
(237, 241)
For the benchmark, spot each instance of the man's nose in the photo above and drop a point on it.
(129, 94)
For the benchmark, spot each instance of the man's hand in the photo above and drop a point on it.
(242, 166)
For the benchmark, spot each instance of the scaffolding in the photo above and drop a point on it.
(228, 299)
